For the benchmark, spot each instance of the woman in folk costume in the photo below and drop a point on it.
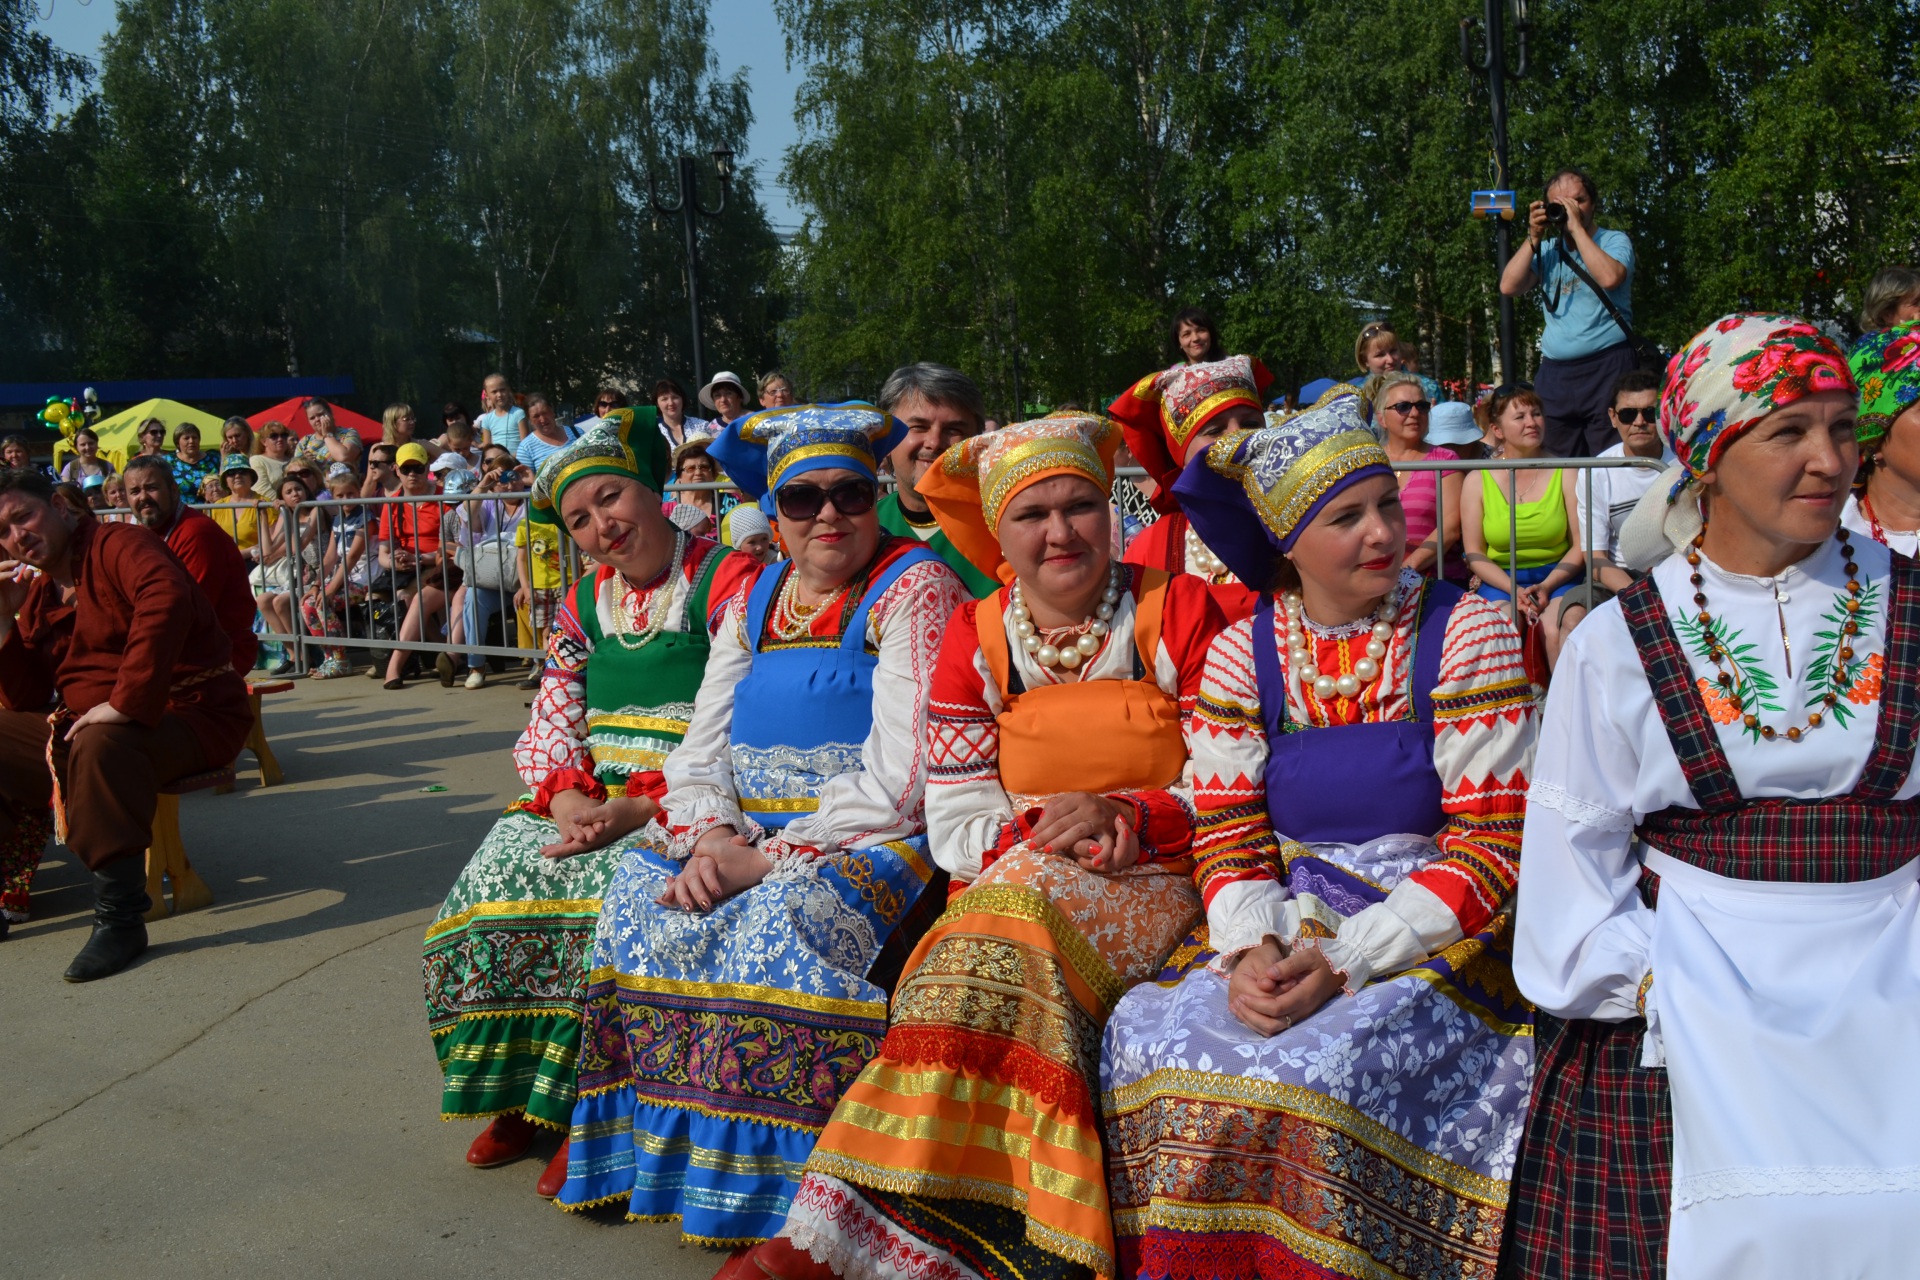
(1171, 417)
(1885, 504)
(1720, 896)
(1337, 1085)
(1059, 800)
(506, 958)
(731, 1002)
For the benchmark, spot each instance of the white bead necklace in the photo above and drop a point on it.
(1092, 631)
(1201, 560)
(627, 630)
(1300, 657)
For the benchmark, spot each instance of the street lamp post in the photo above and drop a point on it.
(688, 206)
(1493, 65)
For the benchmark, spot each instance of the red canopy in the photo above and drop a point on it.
(290, 412)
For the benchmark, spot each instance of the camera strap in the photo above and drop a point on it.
(1648, 355)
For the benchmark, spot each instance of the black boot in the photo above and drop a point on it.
(120, 905)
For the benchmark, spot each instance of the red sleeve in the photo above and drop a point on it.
(1149, 546)
(1188, 624)
(159, 598)
(736, 573)
(26, 681)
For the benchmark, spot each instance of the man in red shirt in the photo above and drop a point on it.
(112, 669)
(202, 546)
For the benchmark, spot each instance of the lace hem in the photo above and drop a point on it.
(833, 1226)
(1549, 795)
(1817, 1180)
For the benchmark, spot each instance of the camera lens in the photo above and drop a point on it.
(1556, 213)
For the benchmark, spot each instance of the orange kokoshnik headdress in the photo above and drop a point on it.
(1162, 411)
(969, 487)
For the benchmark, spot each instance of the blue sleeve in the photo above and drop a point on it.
(1618, 246)
(520, 452)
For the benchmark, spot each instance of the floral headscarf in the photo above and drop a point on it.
(1732, 374)
(1887, 367)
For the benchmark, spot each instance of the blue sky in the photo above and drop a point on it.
(745, 32)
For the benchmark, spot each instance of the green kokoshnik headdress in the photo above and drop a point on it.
(625, 443)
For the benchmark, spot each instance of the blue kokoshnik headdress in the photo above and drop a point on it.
(764, 450)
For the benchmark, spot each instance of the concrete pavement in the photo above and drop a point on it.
(257, 1095)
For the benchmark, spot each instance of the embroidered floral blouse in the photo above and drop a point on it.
(1483, 733)
(1605, 761)
(881, 800)
(970, 816)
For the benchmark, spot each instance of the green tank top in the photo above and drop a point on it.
(1542, 525)
(639, 700)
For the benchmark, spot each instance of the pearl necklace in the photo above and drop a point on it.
(792, 620)
(628, 630)
(1717, 654)
(1048, 646)
(1201, 560)
(1300, 657)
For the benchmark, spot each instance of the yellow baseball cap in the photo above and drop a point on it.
(411, 451)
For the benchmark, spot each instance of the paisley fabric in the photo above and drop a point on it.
(717, 1044)
(506, 971)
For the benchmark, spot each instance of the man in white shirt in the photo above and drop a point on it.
(1633, 409)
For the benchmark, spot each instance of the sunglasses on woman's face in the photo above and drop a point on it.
(606, 406)
(1407, 406)
(1648, 415)
(807, 501)
(153, 434)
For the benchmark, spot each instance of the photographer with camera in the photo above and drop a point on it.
(1589, 341)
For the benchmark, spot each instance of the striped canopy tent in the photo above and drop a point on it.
(120, 433)
(290, 412)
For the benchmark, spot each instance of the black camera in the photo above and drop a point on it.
(1556, 213)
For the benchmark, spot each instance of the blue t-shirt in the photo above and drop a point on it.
(1577, 325)
(502, 428)
(533, 451)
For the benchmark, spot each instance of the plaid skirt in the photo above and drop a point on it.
(1593, 1188)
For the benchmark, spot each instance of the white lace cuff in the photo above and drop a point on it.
(1551, 795)
(1244, 914)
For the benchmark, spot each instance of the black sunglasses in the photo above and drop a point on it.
(414, 469)
(1509, 388)
(806, 501)
(1649, 415)
(1407, 406)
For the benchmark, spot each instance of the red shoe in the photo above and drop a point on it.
(779, 1259)
(555, 1176)
(502, 1142)
(739, 1266)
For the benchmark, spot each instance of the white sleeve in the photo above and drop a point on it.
(699, 772)
(883, 799)
(1581, 932)
(967, 807)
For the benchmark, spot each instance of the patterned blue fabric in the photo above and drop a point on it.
(764, 450)
(717, 1044)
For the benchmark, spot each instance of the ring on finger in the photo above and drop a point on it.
(1287, 1022)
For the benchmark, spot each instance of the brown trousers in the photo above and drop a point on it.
(110, 778)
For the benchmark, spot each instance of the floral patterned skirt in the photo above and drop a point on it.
(506, 973)
(971, 1145)
(20, 855)
(717, 1043)
(1377, 1138)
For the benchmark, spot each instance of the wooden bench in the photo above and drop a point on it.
(167, 857)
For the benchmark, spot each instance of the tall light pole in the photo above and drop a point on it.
(1493, 65)
(688, 206)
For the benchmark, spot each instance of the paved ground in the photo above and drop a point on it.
(257, 1095)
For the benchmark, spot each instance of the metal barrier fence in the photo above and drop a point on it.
(473, 573)
(370, 611)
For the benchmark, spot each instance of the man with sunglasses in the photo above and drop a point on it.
(1634, 410)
